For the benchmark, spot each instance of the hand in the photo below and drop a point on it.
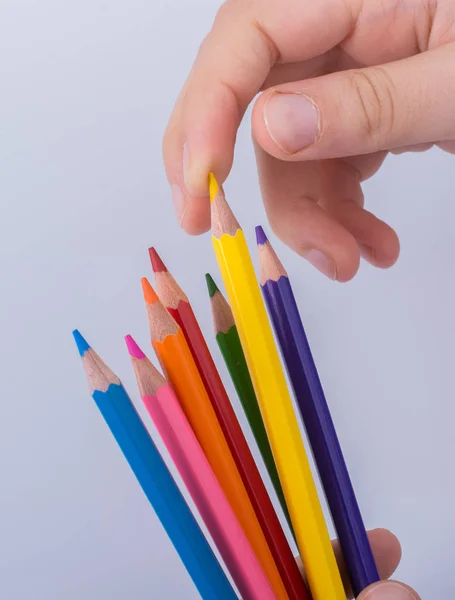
(345, 81)
(387, 552)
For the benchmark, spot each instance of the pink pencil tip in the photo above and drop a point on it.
(133, 348)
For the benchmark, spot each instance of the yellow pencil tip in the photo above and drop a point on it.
(213, 187)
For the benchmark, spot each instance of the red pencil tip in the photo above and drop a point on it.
(149, 293)
(133, 348)
(157, 264)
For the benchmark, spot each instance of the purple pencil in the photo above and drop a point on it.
(313, 407)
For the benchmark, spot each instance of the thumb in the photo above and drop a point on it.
(389, 590)
(360, 111)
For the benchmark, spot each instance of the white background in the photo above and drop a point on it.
(85, 91)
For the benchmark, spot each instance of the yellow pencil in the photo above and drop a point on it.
(276, 406)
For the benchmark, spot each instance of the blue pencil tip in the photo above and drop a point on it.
(81, 343)
(261, 238)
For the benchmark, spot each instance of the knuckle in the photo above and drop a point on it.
(224, 10)
(228, 9)
(375, 97)
(236, 11)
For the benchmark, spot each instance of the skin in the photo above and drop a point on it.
(387, 552)
(380, 76)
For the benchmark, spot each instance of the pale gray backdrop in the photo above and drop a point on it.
(85, 91)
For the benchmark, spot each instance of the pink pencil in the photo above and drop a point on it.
(196, 472)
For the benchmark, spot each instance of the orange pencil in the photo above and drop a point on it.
(180, 369)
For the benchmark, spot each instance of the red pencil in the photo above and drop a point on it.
(179, 307)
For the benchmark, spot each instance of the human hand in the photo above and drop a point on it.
(345, 81)
(387, 552)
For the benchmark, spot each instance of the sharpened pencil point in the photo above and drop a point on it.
(211, 285)
(149, 293)
(81, 342)
(157, 264)
(213, 187)
(261, 238)
(133, 348)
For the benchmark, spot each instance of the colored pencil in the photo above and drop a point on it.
(151, 472)
(276, 406)
(180, 370)
(180, 309)
(315, 412)
(200, 481)
(228, 340)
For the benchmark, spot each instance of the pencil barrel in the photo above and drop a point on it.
(321, 433)
(279, 418)
(231, 349)
(181, 372)
(163, 494)
(241, 454)
(206, 492)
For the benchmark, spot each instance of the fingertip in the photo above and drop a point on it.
(192, 208)
(196, 217)
(320, 240)
(342, 267)
(384, 249)
(389, 589)
(387, 551)
(188, 163)
(388, 540)
(196, 166)
(347, 261)
(339, 249)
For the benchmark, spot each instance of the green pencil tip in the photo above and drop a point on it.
(211, 285)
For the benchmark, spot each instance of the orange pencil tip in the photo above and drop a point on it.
(157, 264)
(149, 293)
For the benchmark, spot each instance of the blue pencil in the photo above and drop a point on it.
(313, 407)
(156, 481)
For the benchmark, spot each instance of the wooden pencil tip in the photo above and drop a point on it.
(213, 187)
(261, 238)
(211, 285)
(133, 348)
(149, 293)
(157, 264)
(81, 342)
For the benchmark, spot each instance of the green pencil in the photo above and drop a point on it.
(231, 349)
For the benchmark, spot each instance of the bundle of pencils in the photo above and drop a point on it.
(193, 414)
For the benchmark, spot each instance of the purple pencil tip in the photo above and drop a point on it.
(261, 238)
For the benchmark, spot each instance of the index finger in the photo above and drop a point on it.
(246, 41)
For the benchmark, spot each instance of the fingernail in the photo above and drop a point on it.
(292, 120)
(324, 264)
(194, 175)
(391, 590)
(368, 253)
(186, 163)
(178, 199)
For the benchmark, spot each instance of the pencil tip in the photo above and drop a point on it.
(133, 348)
(211, 285)
(261, 238)
(149, 293)
(213, 187)
(157, 264)
(81, 342)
